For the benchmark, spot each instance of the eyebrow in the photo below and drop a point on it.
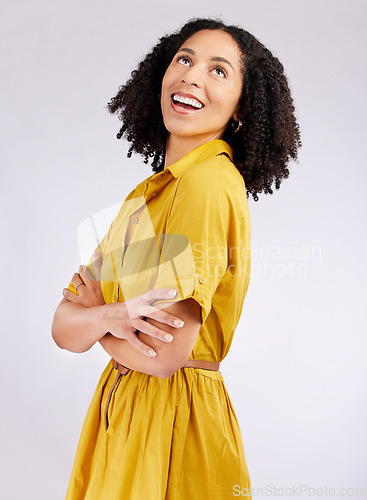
(215, 58)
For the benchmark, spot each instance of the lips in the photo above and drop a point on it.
(183, 108)
(188, 96)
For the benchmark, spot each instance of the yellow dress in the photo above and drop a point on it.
(174, 438)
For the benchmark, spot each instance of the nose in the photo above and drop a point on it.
(192, 76)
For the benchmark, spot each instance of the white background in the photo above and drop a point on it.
(296, 372)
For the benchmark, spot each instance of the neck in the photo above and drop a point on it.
(178, 147)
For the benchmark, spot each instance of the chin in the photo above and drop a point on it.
(186, 133)
(183, 129)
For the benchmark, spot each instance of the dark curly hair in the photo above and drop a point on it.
(269, 136)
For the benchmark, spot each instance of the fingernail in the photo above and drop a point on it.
(172, 293)
(151, 352)
(168, 337)
(178, 322)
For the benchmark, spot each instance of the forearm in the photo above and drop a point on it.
(125, 354)
(170, 356)
(75, 328)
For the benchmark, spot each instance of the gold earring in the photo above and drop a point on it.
(239, 125)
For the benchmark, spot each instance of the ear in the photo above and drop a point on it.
(235, 114)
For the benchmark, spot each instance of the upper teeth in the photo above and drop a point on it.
(187, 100)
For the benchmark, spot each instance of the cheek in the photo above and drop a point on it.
(230, 99)
(226, 101)
(163, 86)
(167, 79)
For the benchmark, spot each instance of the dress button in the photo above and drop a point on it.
(135, 220)
(201, 279)
(153, 194)
(115, 299)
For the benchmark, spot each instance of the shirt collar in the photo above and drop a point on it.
(201, 153)
(207, 150)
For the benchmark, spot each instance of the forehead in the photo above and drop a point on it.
(214, 43)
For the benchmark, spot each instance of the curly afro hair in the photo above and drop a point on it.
(269, 136)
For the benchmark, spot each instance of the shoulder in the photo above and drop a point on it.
(213, 175)
(216, 182)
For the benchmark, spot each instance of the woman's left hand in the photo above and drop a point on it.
(88, 288)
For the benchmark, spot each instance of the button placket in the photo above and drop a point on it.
(107, 413)
(156, 184)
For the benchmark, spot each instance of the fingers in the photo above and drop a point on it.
(152, 330)
(140, 346)
(158, 294)
(77, 281)
(69, 295)
(163, 316)
(137, 305)
(85, 273)
(141, 306)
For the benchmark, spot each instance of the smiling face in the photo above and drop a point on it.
(207, 70)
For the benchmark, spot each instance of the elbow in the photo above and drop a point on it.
(167, 370)
(61, 341)
(169, 364)
(165, 374)
(71, 348)
(56, 342)
(159, 368)
(55, 336)
(159, 372)
(56, 330)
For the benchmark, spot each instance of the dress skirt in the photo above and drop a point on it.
(146, 437)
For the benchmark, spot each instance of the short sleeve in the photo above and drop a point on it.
(194, 255)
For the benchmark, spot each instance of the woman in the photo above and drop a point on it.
(211, 106)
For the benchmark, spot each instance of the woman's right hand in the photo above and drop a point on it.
(124, 319)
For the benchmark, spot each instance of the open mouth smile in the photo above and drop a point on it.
(185, 105)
